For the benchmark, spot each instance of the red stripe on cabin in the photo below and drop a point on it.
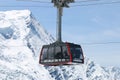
(69, 52)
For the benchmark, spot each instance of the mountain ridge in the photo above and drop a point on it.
(18, 49)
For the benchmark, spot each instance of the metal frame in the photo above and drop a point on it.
(60, 4)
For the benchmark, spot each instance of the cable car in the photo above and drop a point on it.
(60, 53)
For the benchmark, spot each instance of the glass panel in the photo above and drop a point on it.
(44, 54)
(58, 53)
(65, 53)
(51, 53)
(76, 54)
(81, 55)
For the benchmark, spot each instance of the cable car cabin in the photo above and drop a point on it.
(60, 53)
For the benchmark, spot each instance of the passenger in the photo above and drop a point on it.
(59, 55)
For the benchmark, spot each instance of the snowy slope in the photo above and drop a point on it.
(21, 38)
(87, 71)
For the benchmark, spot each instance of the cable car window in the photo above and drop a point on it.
(81, 54)
(58, 53)
(51, 54)
(76, 54)
(65, 53)
(44, 54)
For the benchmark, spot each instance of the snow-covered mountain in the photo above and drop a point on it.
(87, 71)
(21, 38)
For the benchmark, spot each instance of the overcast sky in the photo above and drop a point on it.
(95, 27)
